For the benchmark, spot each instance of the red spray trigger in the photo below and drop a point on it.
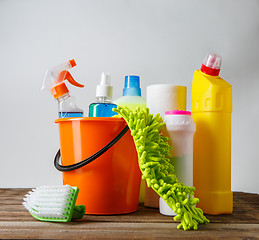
(65, 75)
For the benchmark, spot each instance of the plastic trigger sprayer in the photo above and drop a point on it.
(54, 82)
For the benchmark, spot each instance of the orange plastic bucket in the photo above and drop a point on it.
(109, 184)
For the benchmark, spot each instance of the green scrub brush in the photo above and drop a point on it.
(154, 162)
(54, 203)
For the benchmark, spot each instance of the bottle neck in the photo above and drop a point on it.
(210, 71)
(63, 97)
(132, 92)
(103, 99)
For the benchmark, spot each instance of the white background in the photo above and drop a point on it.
(163, 41)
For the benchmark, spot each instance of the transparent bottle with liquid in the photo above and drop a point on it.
(103, 105)
(67, 107)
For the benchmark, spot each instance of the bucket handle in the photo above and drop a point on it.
(91, 158)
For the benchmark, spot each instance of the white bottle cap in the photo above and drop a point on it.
(105, 89)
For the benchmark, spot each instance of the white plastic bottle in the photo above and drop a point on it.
(180, 129)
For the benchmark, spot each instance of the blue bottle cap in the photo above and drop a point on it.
(132, 86)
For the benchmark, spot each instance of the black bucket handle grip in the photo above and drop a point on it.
(91, 158)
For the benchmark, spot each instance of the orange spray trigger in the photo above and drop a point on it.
(65, 75)
(72, 62)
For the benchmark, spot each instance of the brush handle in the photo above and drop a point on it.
(78, 212)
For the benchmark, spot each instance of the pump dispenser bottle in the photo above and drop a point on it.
(132, 99)
(211, 110)
(103, 105)
(54, 82)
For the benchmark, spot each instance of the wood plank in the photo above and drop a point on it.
(146, 223)
(143, 214)
(246, 210)
(41, 230)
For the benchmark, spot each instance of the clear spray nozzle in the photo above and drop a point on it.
(52, 74)
(54, 78)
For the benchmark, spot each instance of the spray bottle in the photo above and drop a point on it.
(54, 82)
(211, 109)
(103, 105)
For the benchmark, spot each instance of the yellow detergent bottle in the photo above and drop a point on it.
(211, 111)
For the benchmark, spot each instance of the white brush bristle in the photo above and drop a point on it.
(49, 201)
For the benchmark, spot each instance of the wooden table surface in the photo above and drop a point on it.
(146, 223)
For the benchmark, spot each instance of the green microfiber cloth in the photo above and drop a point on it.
(154, 162)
